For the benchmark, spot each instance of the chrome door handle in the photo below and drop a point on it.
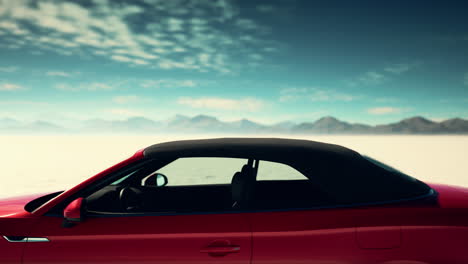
(221, 249)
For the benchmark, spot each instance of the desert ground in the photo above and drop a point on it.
(37, 164)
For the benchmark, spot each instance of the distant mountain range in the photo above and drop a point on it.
(181, 124)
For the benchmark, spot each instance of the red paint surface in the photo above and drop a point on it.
(378, 237)
(73, 210)
(15, 205)
(397, 235)
(451, 196)
(148, 239)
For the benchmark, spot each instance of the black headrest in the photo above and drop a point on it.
(247, 169)
(237, 186)
(242, 185)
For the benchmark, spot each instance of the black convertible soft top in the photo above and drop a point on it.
(273, 148)
(341, 172)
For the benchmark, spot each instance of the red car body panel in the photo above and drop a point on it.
(365, 235)
(15, 205)
(146, 239)
(415, 234)
(451, 196)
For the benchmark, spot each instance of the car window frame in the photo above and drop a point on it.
(57, 210)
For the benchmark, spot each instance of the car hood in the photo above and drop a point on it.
(13, 205)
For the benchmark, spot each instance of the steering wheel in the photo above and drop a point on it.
(130, 199)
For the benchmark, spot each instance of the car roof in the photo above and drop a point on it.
(338, 170)
(270, 148)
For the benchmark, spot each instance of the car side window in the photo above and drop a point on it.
(194, 185)
(277, 171)
(201, 170)
(280, 186)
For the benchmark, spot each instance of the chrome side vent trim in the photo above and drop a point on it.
(37, 239)
(15, 239)
(20, 239)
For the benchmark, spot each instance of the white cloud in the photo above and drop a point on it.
(66, 87)
(124, 112)
(13, 28)
(401, 68)
(58, 73)
(8, 69)
(315, 95)
(10, 87)
(248, 104)
(140, 62)
(265, 8)
(384, 110)
(327, 95)
(170, 28)
(246, 24)
(121, 58)
(387, 100)
(379, 77)
(292, 94)
(372, 78)
(175, 24)
(24, 103)
(126, 99)
(168, 83)
(95, 86)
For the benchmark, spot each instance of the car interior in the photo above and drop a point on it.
(145, 191)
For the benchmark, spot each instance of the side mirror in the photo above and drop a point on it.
(74, 212)
(155, 180)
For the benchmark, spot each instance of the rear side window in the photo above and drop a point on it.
(280, 186)
(362, 181)
(277, 171)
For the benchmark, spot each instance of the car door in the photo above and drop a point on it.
(205, 236)
(285, 230)
(209, 238)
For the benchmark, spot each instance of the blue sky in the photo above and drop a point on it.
(268, 61)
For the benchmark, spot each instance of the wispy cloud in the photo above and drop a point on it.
(10, 87)
(58, 73)
(66, 87)
(95, 86)
(123, 112)
(168, 83)
(324, 95)
(175, 34)
(387, 100)
(248, 104)
(371, 78)
(292, 94)
(384, 110)
(9, 69)
(401, 67)
(377, 77)
(24, 103)
(314, 95)
(265, 8)
(127, 99)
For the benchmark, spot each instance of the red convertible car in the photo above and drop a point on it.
(241, 201)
